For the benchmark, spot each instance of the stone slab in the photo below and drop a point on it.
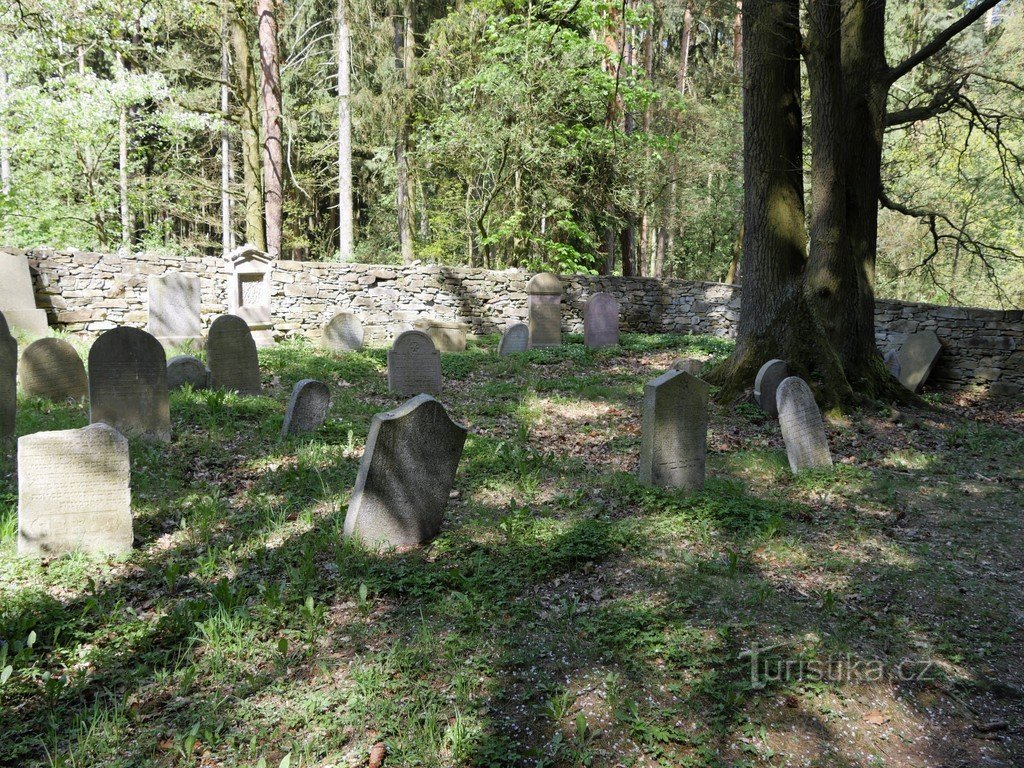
(545, 320)
(447, 336)
(802, 427)
(516, 338)
(52, 368)
(343, 333)
(8, 384)
(128, 384)
(601, 321)
(892, 362)
(673, 444)
(688, 365)
(231, 356)
(18, 297)
(186, 369)
(766, 383)
(174, 301)
(917, 358)
(414, 365)
(307, 407)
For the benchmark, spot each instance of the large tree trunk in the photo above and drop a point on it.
(273, 164)
(404, 40)
(226, 235)
(346, 236)
(249, 125)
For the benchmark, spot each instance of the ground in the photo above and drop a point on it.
(567, 615)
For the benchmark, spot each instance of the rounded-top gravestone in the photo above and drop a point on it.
(307, 408)
(802, 428)
(51, 368)
(414, 365)
(343, 333)
(186, 369)
(767, 382)
(231, 354)
(128, 384)
(516, 338)
(544, 302)
(601, 321)
(917, 358)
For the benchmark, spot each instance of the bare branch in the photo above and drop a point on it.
(940, 40)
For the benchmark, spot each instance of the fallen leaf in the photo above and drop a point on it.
(875, 717)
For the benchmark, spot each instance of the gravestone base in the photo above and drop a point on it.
(264, 337)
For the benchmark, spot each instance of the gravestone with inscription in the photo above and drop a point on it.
(674, 437)
(186, 369)
(544, 301)
(917, 357)
(307, 408)
(74, 492)
(343, 333)
(128, 384)
(8, 383)
(767, 382)
(802, 427)
(18, 297)
(516, 338)
(51, 368)
(249, 291)
(406, 475)
(414, 365)
(601, 321)
(231, 354)
(174, 302)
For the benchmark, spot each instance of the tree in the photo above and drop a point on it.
(345, 232)
(273, 154)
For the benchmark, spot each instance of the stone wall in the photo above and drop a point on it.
(90, 292)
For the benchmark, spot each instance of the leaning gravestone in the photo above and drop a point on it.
(688, 365)
(231, 354)
(51, 368)
(406, 475)
(601, 321)
(674, 445)
(74, 492)
(414, 366)
(447, 335)
(802, 428)
(186, 369)
(516, 338)
(767, 382)
(174, 302)
(892, 362)
(8, 382)
(18, 298)
(307, 408)
(343, 333)
(128, 384)
(917, 357)
(544, 300)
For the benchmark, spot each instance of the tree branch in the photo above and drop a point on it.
(942, 101)
(940, 40)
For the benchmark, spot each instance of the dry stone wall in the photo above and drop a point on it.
(92, 292)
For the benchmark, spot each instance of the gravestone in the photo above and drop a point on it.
(343, 333)
(917, 357)
(249, 291)
(892, 362)
(448, 336)
(51, 368)
(414, 366)
(74, 492)
(674, 437)
(186, 369)
(601, 321)
(406, 475)
(8, 383)
(231, 355)
(307, 408)
(128, 384)
(18, 297)
(174, 302)
(516, 338)
(767, 382)
(802, 427)
(688, 365)
(544, 301)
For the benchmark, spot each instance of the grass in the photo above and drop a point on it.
(567, 615)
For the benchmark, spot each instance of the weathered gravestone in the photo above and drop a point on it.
(186, 369)
(414, 366)
(8, 382)
(802, 428)
(767, 382)
(249, 291)
(18, 298)
(343, 333)
(544, 300)
(516, 338)
(892, 362)
(406, 475)
(307, 408)
(601, 321)
(128, 384)
(231, 354)
(448, 336)
(673, 444)
(74, 492)
(174, 302)
(51, 368)
(917, 357)
(688, 365)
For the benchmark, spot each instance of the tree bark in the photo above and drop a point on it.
(247, 97)
(5, 146)
(273, 156)
(226, 236)
(404, 41)
(122, 162)
(682, 72)
(346, 236)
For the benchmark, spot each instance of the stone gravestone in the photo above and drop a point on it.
(343, 333)
(8, 382)
(767, 382)
(802, 428)
(18, 298)
(174, 302)
(231, 354)
(448, 336)
(74, 492)
(516, 338)
(892, 362)
(674, 437)
(185, 369)
(128, 384)
(51, 368)
(307, 408)
(414, 366)
(688, 365)
(406, 475)
(544, 300)
(249, 291)
(601, 321)
(917, 357)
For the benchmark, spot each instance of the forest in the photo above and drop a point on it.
(563, 135)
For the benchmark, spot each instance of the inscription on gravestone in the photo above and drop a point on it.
(544, 301)
(231, 354)
(343, 333)
(174, 303)
(128, 384)
(414, 365)
(601, 321)
(307, 408)
(802, 427)
(673, 446)
(917, 357)
(516, 338)
(767, 382)
(51, 368)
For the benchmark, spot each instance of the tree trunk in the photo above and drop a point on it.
(247, 97)
(346, 236)
(684, 52)
(122, 163)
(404, 41)
(5, 146)
(226, 237)
(273, 157)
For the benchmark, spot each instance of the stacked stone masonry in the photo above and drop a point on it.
(92, 292)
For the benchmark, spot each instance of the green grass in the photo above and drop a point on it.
(567, 614)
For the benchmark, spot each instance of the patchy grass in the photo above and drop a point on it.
(567, 615)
